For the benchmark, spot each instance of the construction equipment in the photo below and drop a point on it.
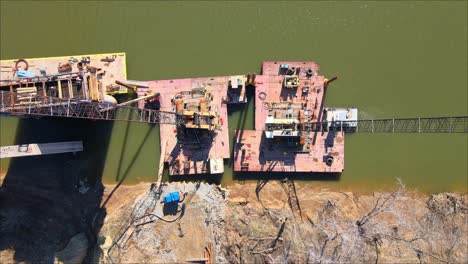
(153, 95)
(172, 198)
(130, 86)
(109, 59)
(291, 82)
(64, 68)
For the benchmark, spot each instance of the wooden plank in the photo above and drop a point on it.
(197, 260)
(101, 91)
(44, 89)
(92, 86)
(26, 90)
(86, 87)
(59, 87)
(12, 97)
(70, 88)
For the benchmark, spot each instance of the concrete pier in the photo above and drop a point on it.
(40, 149)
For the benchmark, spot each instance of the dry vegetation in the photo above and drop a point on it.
(334, 227)
(271, 221)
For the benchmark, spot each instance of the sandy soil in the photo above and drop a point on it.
(267, 221)
(278, 221)
(164, 234)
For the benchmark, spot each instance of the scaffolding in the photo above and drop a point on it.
(31, 104)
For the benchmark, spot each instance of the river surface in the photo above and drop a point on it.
(393, 59)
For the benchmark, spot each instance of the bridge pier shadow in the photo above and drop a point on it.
(46, 200)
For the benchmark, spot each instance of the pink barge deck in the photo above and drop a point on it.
(204, 158)
(287, 96)
(255, 153)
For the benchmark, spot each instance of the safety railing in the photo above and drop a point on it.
(449, 124)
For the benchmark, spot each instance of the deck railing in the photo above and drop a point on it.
(449, 124)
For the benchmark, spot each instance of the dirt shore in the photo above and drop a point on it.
(278, 221)
(69, 220)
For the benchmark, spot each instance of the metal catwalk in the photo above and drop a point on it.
(37, 105)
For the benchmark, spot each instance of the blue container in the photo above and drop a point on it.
(172, 197)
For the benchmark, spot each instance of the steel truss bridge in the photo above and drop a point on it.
(449, 124)
(37, 105)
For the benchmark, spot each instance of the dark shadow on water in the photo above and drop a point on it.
(208, 178)
(123, 175)
(41, 206)
(298, 176)
(122, 98)
(243, 110)
(122, 151)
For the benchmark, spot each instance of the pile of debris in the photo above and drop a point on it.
(168, 232)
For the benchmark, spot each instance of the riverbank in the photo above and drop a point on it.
(264, 222)
(406, 83)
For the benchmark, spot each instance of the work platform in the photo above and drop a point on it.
(204, 157)
(253, 153)
(110, 67)
(275, 105)
(294, 132)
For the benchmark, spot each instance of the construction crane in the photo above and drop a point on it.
(130, 86)
(13, 103)
(36, 105)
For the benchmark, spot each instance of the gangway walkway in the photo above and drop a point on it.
(448, 124)
(37, 105)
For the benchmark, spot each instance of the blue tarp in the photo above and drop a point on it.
(25, 74)
(172, 197)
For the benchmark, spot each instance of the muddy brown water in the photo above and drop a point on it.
(393, 59)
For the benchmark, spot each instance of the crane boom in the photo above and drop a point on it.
(130, 102)
(37, 105)
(133, 87)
